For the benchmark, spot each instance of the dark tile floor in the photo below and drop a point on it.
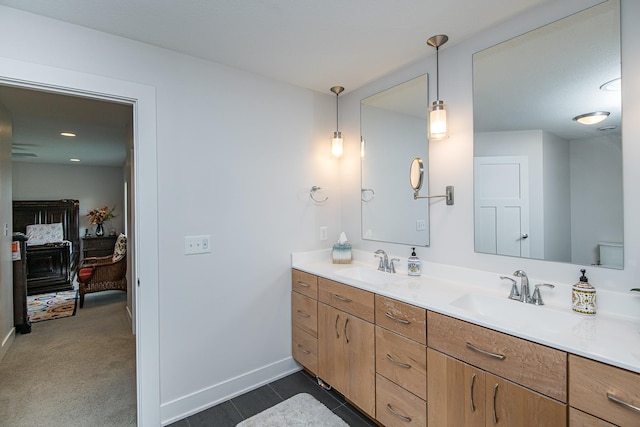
(233, 411)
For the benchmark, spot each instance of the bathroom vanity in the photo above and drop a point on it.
(429, 351)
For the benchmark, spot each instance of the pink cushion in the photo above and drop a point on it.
(85, 274)
(120, 249)
(40, 234)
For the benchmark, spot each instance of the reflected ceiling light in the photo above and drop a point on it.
(336, 142)
(74, 160)
(70, 134)
(438, 128)
(614, 85)
(591, 118)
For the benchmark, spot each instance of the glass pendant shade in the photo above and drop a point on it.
(438, 128)
(336, 144)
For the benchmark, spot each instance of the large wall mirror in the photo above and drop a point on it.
(394, 132)
(546, 186)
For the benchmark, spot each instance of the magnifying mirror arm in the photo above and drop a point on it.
(448, 195)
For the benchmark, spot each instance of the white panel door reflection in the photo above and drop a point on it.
(501, 206)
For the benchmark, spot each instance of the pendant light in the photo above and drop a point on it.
(336, 142)
(438, 128)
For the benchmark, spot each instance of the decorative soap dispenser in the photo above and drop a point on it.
(584, 296)
(414, 265)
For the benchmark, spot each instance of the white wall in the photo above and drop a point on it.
(557, 198)
(237, 155)
(7, 331)
(93, 187)
(596, 175)
(451, 160)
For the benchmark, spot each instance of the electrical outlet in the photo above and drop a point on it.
(197, 244)
(323, 233)
(421, 224)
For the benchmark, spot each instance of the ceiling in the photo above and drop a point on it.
(311, 44)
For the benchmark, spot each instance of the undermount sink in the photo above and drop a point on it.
(525, 316)
(368, 275)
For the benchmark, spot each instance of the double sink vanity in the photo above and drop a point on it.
(444, 350)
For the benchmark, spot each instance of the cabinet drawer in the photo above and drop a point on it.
(580, 419)
(594, 385)
(405, 319)
(304, 313)
(395, 406)
(532, 365)
(305, 283)
(305, 349)
(352, 300)
(402, 361)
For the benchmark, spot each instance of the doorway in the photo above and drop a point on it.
(143, 234)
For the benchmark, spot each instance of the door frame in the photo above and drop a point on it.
(145, 205)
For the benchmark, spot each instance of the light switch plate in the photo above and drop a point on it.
(197, 244)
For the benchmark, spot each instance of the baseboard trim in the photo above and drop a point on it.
(7, 341)
(206, 398)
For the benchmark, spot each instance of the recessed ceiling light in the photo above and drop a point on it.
(591, 118)
(614, 85)
(67, 134)
(74, 160)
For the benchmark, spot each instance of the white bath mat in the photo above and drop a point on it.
(301, 410)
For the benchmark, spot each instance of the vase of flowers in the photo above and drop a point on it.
(98, 216)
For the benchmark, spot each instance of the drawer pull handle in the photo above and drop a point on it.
(303, 350)
(304, 285)
(485, 352)
(302, 314)
(473, 383)
(393, 411)
(395, 319)
(341, 298)
(495, 397)
(346, 336)
(402, 365)
(622, 402)
(336, 326)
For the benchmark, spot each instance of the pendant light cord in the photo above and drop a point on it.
(337, 127)
(437, 74)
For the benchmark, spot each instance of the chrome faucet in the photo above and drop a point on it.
(525, 295)
(384, 260)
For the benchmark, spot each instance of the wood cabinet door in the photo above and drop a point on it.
(508, 404)
(455, 392)
(346, 355)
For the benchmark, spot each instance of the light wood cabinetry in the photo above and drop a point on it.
(346, 349)
(397, 407)
(406, 319)
(456, 392)
(455, 387)
(580, 419)
(304, 319)
(401, 363)
(604, 391)
(532, 365)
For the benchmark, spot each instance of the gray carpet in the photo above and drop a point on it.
(75, 371)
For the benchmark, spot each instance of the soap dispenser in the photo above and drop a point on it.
(414, 265)
(584, 296)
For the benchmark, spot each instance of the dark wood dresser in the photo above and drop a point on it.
(20, 313)
(98, 246)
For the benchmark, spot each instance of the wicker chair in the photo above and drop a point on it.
(97, 274)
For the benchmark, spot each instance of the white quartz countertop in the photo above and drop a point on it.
(607, 337)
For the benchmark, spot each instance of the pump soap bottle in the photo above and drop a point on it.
(584, 296)
(414, 265)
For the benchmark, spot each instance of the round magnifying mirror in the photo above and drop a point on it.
(416, 174)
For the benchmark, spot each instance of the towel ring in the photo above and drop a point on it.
(313, 192)
(363, 192)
